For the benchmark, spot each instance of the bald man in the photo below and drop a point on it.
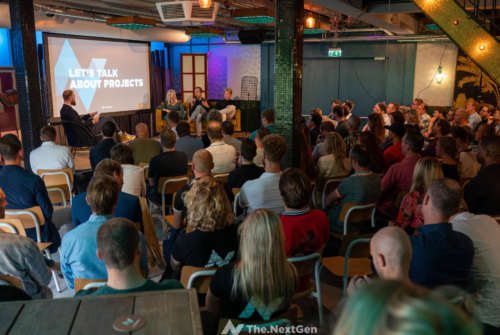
(143, 147)
(460, 118)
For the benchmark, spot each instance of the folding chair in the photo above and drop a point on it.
(145, 168)
(88, 284)
(305, 266)
(57, 181)
(221, 176)
(400, 198)
(11, 281)
(286, 319)
(354, 249)
(190, 167)
(33, 218)
(169, 185)
(236, 193)
(356, 213)
(198, 278)
(326, 186)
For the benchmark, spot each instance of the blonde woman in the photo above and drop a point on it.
(399, 308)
(412, 118)
(226, 106)
(214, 239)
(410, 215)
(261, 285)
(172, 104)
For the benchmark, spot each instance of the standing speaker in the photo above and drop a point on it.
(251, 36)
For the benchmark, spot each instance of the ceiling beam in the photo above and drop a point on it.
(399, 7)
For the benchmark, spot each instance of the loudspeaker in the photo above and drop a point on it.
(251, 36)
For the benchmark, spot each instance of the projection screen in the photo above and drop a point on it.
(107, 76)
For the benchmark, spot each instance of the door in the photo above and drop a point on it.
(193, 74)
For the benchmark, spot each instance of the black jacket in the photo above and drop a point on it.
(198, 103)
(69, 114)
(101, 151)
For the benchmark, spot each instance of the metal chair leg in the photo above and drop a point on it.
(54, 275)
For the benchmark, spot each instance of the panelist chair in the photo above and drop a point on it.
(58, 184)
(33, 218)
(78, 136)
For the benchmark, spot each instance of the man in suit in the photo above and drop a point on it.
(91, 121)
(103, 150)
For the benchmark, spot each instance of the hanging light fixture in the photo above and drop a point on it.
(204, 32)
(205, 3)
(310, 22)
(131, 22)
(258, 15)
(439, 76)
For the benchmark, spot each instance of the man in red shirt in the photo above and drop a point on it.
(394, 154)
(306, 231)
(399, 177)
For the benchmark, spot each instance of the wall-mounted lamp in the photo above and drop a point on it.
(482, 47)
(439, 76)
(310, 21)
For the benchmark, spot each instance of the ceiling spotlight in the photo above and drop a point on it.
(481, 47)
(455, 22)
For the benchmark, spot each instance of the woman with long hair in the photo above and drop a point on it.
(412, 118)
(376, 125)
(306, 158)
(410, 215)
(400, 308)
(263, 279)
(172, 104)
(377, 161)
(211, 218)
(446, 149)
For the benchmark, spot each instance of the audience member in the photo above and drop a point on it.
(474, 117)
(263, 279)
(413, 118)
(306, 157)
(25, 190)
(352, 126)
(486, 113)
(227, 107)
(494, 119)
(306, 231)
(460, 118)
(79, 246)
(264, 192)
(482, 193)
(170, 163)
(119, 247)
(248, 170)
(410, 214)
(51, 156)
(224, 155)
(446, 149)
(394, 154)
(381, 108)
(314, 123)
(173, 120)
(362, 187)
(213, 115)
(395, 117)
(451, 114)
(439, 114)
(377, 160)
(469, 166)
(325, 118)
(484, 130)
(202, 166)
(267, 120)
(198, 109)
(228, 131)
(416, 102)
(441, 256)
(171, 104)
(349, 105)
(261, 134)
(440, 128)
(392, 107)
(376, 125)
(320, 148)
(485, 234)
(214, 239)
(186, 143)
(424, 117)
(400, 175)
(338, 115)
(397, 307)
(103, 150)
(133, 176)
(20, 257)
(128, 207)
(143, 147)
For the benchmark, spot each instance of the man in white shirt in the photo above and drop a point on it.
(223, 154)
(51, 156)
(474, 117)
(173, 120)
(133, 176)
(485, 234)
(261, 134)
(264, 192)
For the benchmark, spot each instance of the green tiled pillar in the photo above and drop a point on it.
(288, 76)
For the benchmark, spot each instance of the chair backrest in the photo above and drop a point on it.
(198, 278)
(81, 284)
(463, 184)
(12, 226)
(57, 179)
(221, 176)
(152, 244)
(236, 202)
(236, 191)
(190, 167)
(170, 185)
(359, 250)
(58, 195)
(357, 212)
(305, 264)
(328, 185)
(30, 218)
(13, 281)
(77, 134)
(145, 168)
(464, 181)
(400, 198)
(94, 286)
(286, 319)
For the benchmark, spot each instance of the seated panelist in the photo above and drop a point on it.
(226, 107)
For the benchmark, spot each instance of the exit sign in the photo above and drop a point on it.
(334, 52)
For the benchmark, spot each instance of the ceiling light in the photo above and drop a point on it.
(205, 3)
(455, 22)
(310, 22)
(131, 22)
(254, 15)
(482, 47)
(204, 32)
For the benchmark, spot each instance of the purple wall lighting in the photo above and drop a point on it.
(217, 77)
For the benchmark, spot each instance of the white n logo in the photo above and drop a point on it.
(230, 328)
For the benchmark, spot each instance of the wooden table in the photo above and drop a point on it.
(173, 312)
